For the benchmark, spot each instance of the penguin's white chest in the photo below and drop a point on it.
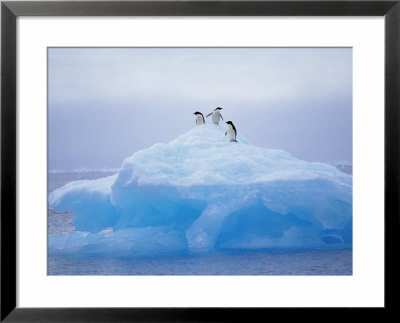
(199, 119)
(231, 133)
(215, 117)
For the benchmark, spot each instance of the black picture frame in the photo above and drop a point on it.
(11, 10)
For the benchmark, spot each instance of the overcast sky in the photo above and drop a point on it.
(106, 103)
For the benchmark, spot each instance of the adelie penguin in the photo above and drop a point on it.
(199, 118)
(231, 131)
(216, 115)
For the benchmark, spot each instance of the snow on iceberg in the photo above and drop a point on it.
(201, 192)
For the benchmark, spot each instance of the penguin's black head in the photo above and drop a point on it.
(197, 113)
(229, 122)
(217, 108)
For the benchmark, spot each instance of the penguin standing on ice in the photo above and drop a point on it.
(231, 131)
(200, 118)
(216, 115)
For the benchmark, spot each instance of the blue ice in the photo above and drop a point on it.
(202, 193)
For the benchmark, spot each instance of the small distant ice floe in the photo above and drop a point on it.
(106, 230)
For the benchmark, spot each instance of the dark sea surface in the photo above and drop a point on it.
(240, 262)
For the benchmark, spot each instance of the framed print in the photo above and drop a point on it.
(195, 160)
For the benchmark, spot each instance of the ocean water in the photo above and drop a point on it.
(239, 262)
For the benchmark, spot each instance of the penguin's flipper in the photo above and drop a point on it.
(226, 132)
(209, 114)
(221, 116)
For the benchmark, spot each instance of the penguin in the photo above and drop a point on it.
(231, 131)
(200, 118)
(216, 114)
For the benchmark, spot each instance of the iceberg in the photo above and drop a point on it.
(202, 193)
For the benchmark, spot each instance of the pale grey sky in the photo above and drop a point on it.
(106, 103)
